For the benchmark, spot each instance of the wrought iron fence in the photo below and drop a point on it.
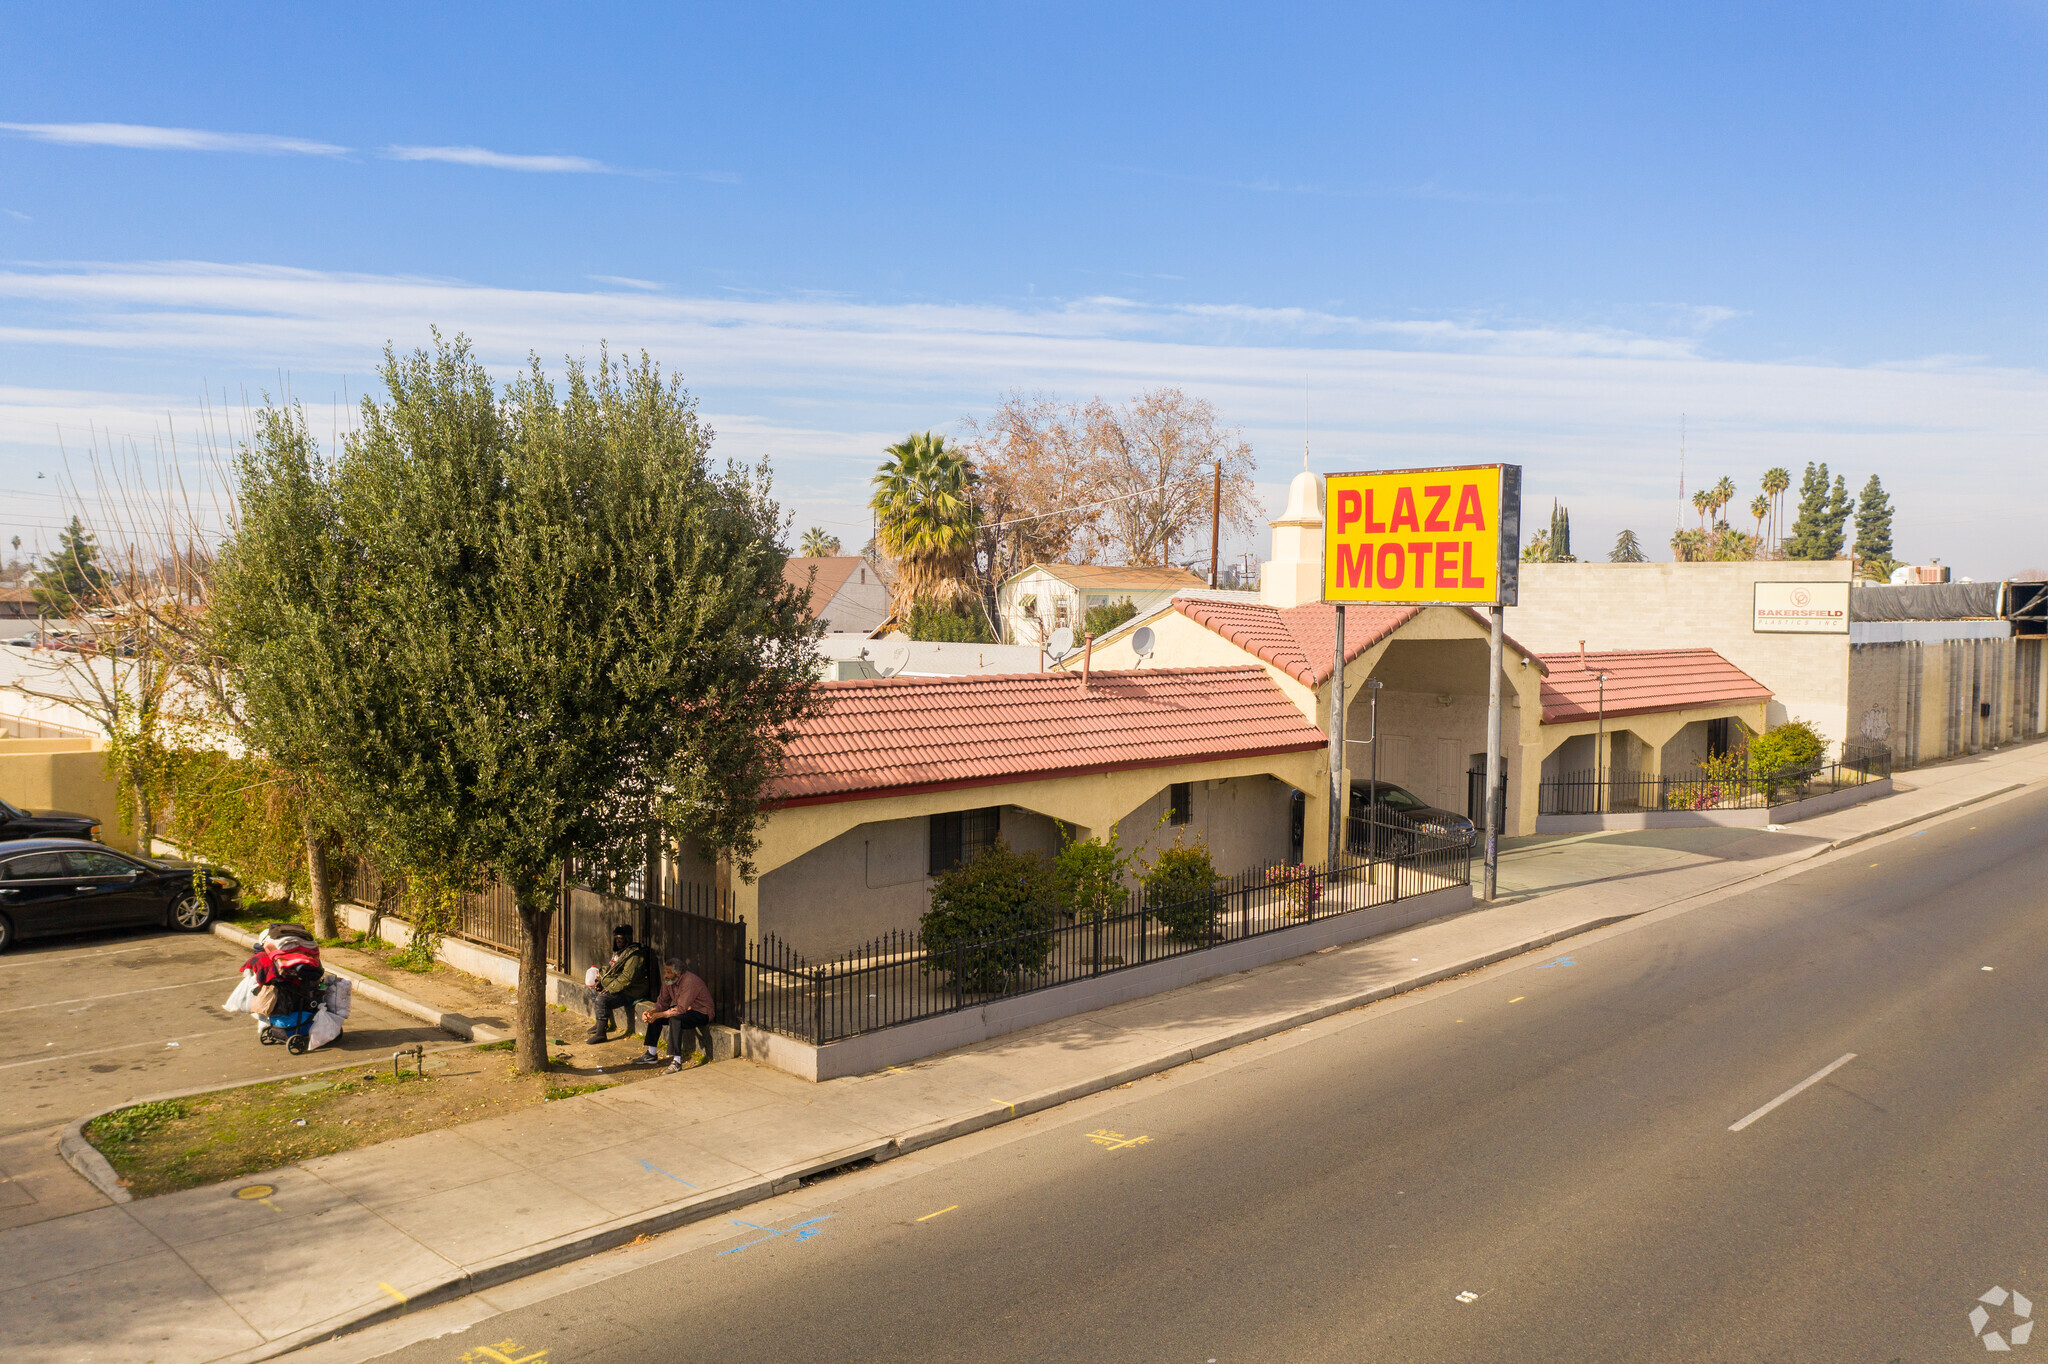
(1622, 791)
(900, 978)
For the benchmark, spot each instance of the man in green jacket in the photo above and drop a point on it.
(624, 980)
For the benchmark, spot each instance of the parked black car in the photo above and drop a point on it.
(1397, 814)
(71, 885)
(19, 823)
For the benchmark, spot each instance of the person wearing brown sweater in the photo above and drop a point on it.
(684, 1005)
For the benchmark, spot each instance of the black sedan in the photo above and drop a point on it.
(1389, 821)
(17, 823)
(69, 885)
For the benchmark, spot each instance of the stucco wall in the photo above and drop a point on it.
(1679, 606)
(63, 774)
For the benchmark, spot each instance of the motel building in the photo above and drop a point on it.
(1205, 717)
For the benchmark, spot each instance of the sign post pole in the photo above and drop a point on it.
(1496, 629)
(1337, 791)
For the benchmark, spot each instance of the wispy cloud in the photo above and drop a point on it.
(17, 214)
(145, 137)
(512, 161)
(817, 382)
(627, 282)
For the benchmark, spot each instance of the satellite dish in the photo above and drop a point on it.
(1144, 641)
(1061, 644)
(895, 659)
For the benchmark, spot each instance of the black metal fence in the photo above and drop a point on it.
(900, 978)
(1622, 791)
(714, 948)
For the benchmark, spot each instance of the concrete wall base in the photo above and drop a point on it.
(912, 1041)
(1754, 818)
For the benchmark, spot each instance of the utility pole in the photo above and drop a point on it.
(1337, 791)
(1215, 521)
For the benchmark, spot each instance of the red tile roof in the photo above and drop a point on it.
(1298, 640)
(896, 735)
(1643, 681)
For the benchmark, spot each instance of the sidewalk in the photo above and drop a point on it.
(345, 1239)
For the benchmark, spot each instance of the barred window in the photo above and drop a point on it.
(963, 835)
(1180, 803)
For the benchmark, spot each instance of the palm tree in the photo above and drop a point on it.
(1720, 495)
(928, 521)
(1759, 507)
(1775, 483)
(1702, 502)
(818, 545)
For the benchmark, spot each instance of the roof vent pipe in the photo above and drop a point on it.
(1582, 655)
(1087, 657)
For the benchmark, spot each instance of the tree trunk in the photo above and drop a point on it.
(529, 1013)
(145, 819)
(318, 889)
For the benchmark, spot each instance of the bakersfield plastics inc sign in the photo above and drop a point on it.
(1423, 536)
(1802, 609)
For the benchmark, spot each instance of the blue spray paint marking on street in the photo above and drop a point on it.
(1916, 835)
(804, 1232)
(1561, 961)
(650, 1165)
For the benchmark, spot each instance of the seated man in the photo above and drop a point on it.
(626, 979)
(684, 1005)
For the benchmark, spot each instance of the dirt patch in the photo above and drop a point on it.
(183, 1143)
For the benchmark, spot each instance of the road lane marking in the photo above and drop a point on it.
(1807, 1083)
(804, 1231)
(1518, 999)
(940, 1213)
(119, 994)
(101, 1051)
(1114, 1141)
(74, 956)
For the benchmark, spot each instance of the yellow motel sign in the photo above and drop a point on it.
(1423, 536)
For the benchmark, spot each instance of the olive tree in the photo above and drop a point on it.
(537, 627)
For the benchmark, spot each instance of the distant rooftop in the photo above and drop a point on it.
(1298, 640)
(1110, 577)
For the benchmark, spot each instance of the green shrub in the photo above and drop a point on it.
(1794, 746)
(930, 622)
(1180, 891)
(987, 921)
(1088, 876)
(1100, 620)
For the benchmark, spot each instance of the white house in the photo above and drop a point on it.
(1048, 597)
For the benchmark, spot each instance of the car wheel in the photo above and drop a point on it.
(191, 913)
(6, 933)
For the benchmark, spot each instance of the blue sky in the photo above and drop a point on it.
(1537, 233)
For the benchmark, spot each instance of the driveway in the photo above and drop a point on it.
(88, 1023)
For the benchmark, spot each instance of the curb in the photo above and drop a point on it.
(1950, 809)
(459, 1025)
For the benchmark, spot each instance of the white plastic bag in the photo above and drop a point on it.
(326, 1027)
(245, 988)
(340, 996)
(590, 978)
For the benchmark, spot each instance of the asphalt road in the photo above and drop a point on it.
(1551, 1137)
(87, 1022)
